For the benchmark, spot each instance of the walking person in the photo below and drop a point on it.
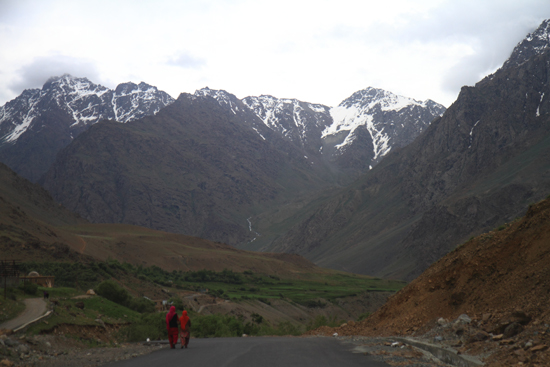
(185, 333)
(172, 327)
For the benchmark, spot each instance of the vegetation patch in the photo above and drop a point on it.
(311, 292)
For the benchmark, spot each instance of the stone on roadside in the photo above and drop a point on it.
(11, 343)
(513, 329)
(477, 336)
(463, 319)
(538, 348)
(22, 348)
(100, 322)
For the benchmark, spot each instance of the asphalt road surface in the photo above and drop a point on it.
(257, 352)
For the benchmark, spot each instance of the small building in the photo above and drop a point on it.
(46, 281)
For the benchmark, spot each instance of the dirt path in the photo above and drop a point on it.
(34, 308)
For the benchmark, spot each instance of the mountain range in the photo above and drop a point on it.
(477, 167)
(35, 126)
(40, 122)
(201, 165)
(370, 186)
(33, 227)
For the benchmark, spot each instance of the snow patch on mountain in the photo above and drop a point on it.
(534, 44)
(375, 109)
(224, 99)
(86, 102)
(287, 116)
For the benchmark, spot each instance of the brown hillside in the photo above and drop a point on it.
(147, 247)
(33, 227)
(497, 278)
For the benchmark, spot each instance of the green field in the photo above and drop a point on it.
(302, 289)
(328, 287)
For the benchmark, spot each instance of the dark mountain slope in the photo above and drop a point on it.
(40, 122)
(477, 167)
(33, 227)
(16, 192)
(194, 168)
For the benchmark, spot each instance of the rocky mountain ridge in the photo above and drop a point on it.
(40, 122)
(476, 167)
(354, 135)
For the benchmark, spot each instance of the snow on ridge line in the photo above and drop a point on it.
(68, 92)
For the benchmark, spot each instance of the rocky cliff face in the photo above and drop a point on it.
(348, 139)
(207, 163)
(40, 122)
(475, 168)
(193, 168)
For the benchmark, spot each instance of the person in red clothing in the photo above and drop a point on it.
(172, 326)
(185, 324)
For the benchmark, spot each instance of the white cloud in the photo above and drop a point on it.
(40, 69)
(318, 51)
(187, 61)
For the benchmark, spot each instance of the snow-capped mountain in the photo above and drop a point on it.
(533, 44)
(86, 102)
(355, 134)
(298, 121)
(390, 120)
(40, 122)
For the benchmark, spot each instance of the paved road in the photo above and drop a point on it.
(34, 308)
(260, 351)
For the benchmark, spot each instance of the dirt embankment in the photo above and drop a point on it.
(284, 310)
(501, 280)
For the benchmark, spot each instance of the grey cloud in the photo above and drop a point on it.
(37, 72)
(187, 61)
(491, 28)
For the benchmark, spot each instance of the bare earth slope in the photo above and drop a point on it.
(498, 279)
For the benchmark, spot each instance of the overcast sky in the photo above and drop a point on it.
(316, 51)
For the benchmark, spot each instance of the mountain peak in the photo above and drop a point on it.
(534, 43)
(224, 98)
(64, 107)
(387, 100)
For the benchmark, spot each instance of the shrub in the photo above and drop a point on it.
(152, 326)
(142, 305)
(321, 320)
(29, 288)
(209, 326)
(177, 302)
(113, 292)
(314, 304)
(286, 328)
(258, 319)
